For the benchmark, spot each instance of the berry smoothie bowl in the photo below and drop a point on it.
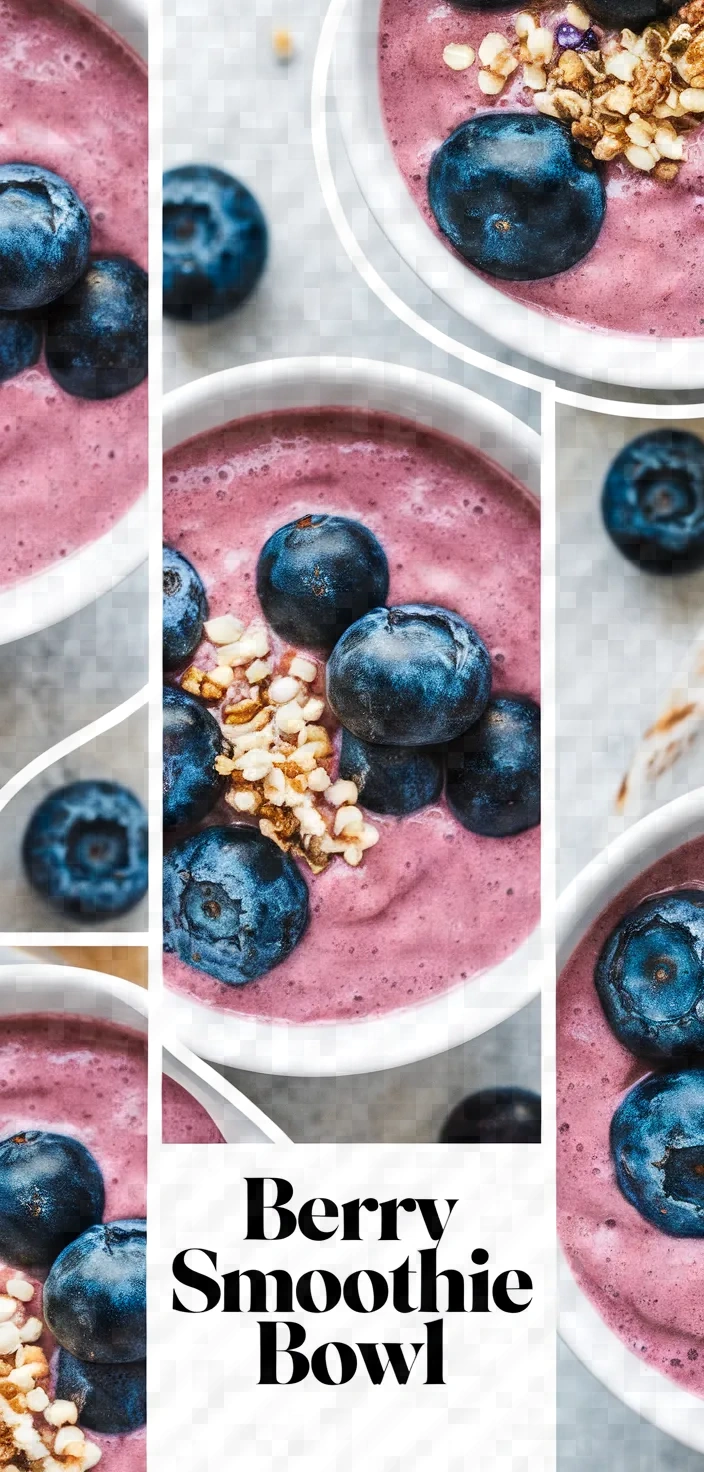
(351, 737)
(73, 1135)
(489, 144)
(73, 308)
(630, 1116)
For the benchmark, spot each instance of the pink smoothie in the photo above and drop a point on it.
(87, 1079)
(643, 1283)
(431, 905)
(74, 99)
(183, 1120)
(643, 274)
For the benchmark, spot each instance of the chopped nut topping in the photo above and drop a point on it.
(613, 97)
(458, 57)
(54, 1442)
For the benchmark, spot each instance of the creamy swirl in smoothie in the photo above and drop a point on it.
(643, 273)
(87, 1080)
(642, 1281)
(75, 102)
(432, 904)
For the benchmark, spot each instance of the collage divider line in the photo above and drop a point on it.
(71, 743)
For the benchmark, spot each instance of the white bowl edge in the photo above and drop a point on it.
(616, 358)
(650, 1394)
(464, 1012)
(29, 987)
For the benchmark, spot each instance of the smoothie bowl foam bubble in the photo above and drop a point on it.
(639, 1276)
(429, 904)
(74, 102)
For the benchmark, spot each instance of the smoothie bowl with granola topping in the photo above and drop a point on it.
(542, 170)
(351, 718)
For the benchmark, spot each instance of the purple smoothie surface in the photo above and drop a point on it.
(183, 1120)
(642, 1282)
(74, 99)
(643, 275)
(86, 1079)
(432, 904)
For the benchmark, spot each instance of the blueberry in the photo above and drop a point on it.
(516, 195)
(215, 243)
(657, 1146)
(392, 779)
(51, 1189)
(414, 675)
(96, 334)
(110, 1398)
(318, 575)
(44, 236)
(85, 850)
(234, 904)
(493, 769)
(650, 976)
(632, 14)
(192, 741)
(185, 609)
(653, 501)
(20, 344)
(494, 1117)
(95, 1297)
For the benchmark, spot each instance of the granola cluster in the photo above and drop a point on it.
(37, 1434)
(279, 756)
(636, 96)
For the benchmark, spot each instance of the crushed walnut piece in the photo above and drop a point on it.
(35, 1431)
(279, 754)
(631, 96)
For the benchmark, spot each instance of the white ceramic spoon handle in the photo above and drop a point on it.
(675, 729)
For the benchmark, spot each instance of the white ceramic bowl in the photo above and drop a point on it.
(640, 1386)
(28, 987)
(640, 362)
(466, 1010)
(72, 583)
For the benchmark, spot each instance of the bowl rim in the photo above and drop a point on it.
(642, 1388)
(465, 1011)
(28, 986)
(66, 586)
(629, 360)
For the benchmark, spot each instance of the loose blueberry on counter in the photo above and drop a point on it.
(185, 609)
(632, 15)
(392, 779)
(414, 675)
(650, 976)
(96, 333)
(44, 236)
(109, 1398)
(318, 575)
(234, 904)
(657, 1146)
(493, 769)
(516, 195)
(20, 344)
(51, 1190)
(95, 1297)
(502, 1116)
(653, 501)
(85, 850)
(215, 243)
(192, 740)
